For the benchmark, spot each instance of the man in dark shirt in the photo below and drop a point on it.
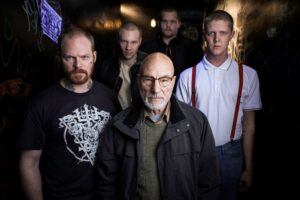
(119, 71)
(63, 126)
(184, 52)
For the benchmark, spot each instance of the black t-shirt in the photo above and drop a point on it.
(67, 127)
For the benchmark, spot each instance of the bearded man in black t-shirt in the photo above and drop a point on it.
(63, 125)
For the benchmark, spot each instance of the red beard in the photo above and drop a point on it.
(78, 76)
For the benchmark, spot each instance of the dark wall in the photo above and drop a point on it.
(26, 66)
(277, 60)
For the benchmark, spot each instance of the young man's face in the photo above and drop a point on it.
(78, 59)
(169, 24)
(130, 41)
(217, 36)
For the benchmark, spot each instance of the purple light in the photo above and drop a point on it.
(50, 21)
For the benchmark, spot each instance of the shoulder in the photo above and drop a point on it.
(46, 94)
(186, 73)
(150, 44)
(122, 114)
(101, 88)
(104, 97)
(188, 42)
(45, 98)
(194, 116)
(191, 113)
(141, 55)
(249, 70)
(188, 109)
(249, 73)
(246, 69)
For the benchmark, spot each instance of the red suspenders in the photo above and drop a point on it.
(238, 100)
(237, 105)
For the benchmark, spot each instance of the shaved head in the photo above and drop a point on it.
(157, 59)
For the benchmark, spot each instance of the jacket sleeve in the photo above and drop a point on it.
(209, 179)
(107, 167)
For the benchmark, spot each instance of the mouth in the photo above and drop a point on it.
(78, 71)
(128, 54)
(155, 98)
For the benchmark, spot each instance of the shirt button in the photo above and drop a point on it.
(187, 125)
(177, 130)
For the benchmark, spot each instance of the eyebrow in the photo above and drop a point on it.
(155, 77)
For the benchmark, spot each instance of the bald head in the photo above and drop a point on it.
(157, 61)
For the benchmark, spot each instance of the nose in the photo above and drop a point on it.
(155, 86)
(168, 24)
(217, 37)
(77, 63)
(128, 46)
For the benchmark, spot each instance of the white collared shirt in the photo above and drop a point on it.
(216, 94)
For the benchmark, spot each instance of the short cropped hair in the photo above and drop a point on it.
(169, 9)
(129, 26)
(218, 15)
(72, 31)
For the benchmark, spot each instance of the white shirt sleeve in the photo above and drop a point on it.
(252, 100)
(183, 89)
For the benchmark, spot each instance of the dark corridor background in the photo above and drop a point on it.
(270, 44)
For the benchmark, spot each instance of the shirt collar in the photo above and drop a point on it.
(165, 116)
(224, 66)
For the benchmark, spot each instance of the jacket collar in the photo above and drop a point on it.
(127, 120)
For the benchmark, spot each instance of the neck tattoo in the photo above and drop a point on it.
(67, 85)
(90, 84)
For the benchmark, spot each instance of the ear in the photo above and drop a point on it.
(94, 56)
(179, 23)
(174, 78)
(140, 41)
(232, 34)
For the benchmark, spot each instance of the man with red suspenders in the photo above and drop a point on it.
(228, 93)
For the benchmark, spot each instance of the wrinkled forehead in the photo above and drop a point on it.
(77, 38)
(157, 65)
(76, 42)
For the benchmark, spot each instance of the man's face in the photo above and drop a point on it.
(169, 24)
(130, 41)
(156, 82)
(217, 36)
(78, 59)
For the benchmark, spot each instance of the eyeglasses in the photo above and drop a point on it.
(149, 80)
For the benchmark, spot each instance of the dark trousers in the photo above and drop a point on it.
(230, 158)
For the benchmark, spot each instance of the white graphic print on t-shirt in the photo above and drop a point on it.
(83, 131)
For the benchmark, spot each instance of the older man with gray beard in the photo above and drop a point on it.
(160, 148)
